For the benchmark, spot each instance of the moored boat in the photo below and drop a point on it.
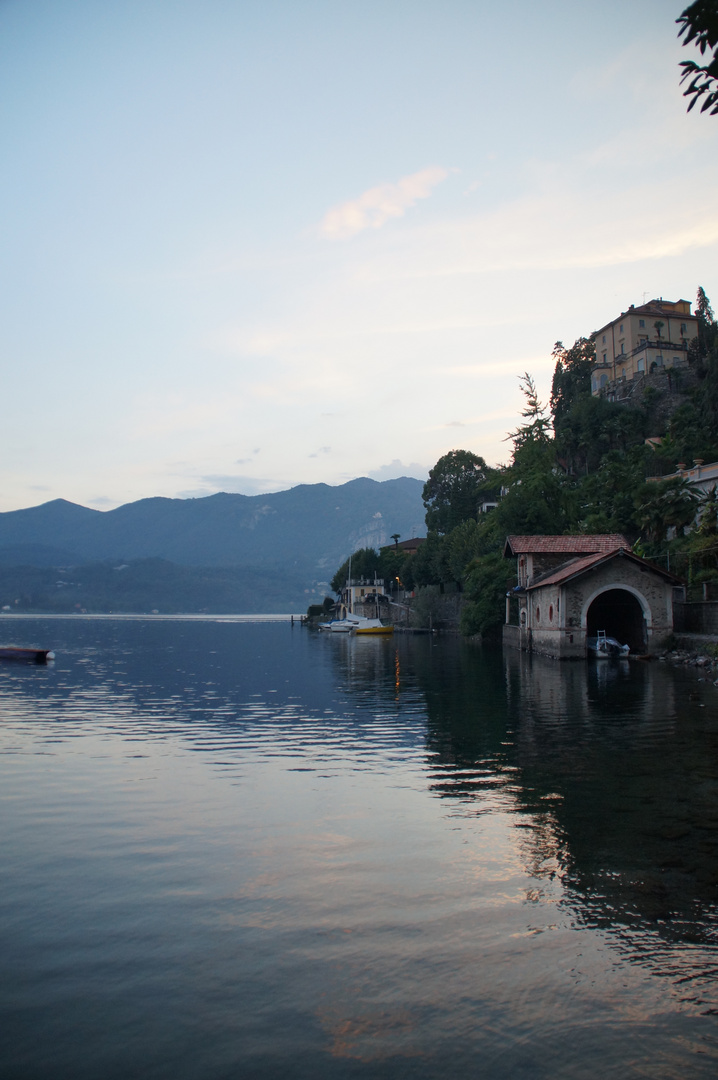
(31, 656)
(356, 624)
(603, 646)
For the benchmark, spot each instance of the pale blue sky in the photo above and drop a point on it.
(253, 244)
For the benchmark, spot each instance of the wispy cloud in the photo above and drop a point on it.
(560, 229)
(379, 204)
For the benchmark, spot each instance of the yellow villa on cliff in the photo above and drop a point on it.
(643, 339)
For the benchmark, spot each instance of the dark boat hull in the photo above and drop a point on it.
(28, 656)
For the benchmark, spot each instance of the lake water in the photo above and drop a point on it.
(242, 849)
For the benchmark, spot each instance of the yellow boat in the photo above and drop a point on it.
(373, 629)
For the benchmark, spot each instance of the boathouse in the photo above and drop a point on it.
(570, 587)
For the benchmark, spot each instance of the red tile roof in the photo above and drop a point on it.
(579, 566)
(564, 545)
(576, 566)
(413, 544)
(671, 308)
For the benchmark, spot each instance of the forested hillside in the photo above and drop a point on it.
(578, 464)
(223, 553)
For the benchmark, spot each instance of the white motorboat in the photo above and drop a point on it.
(356, 623)
(603, 646)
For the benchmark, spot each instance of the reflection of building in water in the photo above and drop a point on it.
(571, 588)
(547, 692)
(608, 770)
(619, 758)
(368, 662)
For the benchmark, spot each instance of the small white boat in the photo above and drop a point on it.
(603, 646)
(356, 624)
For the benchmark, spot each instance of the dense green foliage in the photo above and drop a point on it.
(388, 565)
(581, 466)
(699, 24)
(452, 492)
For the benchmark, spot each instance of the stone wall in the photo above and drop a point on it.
(667, 390)
(700, 617)
(428, 609)
(557, 615)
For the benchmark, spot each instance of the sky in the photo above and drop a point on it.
(250, 244)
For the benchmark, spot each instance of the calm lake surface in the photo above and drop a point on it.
(242, 849)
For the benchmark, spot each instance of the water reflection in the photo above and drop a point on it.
(359, 856)
(612, 772)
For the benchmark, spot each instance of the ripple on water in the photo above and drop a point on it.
(245, 849)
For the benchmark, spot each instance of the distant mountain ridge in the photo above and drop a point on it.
(309, 529)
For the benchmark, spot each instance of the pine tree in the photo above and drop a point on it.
(704, 311)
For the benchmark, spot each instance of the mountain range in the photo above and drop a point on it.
(279, 550)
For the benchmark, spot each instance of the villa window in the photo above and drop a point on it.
(620, 329)
(683, 328)
(642, 323)
(604, 340)
(538, 614)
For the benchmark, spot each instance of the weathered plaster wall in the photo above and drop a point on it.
(556, 615)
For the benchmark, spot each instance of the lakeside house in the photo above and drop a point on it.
(570, 587)
(643, 340)
(410, 547)
(361, 593)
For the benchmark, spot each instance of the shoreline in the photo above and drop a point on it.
(698, 651)
(14, 616)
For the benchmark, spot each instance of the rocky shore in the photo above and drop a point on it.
(699, 651)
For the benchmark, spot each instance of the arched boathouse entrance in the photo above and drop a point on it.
(619, 613)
